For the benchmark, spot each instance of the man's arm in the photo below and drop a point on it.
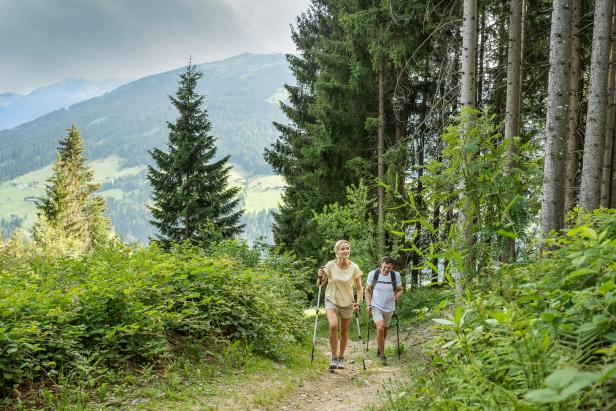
(399, 292)
(368, 296)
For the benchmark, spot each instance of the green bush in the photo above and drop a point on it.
(420, 303)
(541, 337)
(123, 305)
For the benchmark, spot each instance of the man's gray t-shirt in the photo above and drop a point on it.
(383, 292)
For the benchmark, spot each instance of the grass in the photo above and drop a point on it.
(263, 192)
(232, 377)
(13, 201)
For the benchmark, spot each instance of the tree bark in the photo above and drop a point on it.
(607, 180)
(468, 80)
(574, 141)
(481, 58)
(380, 161)
(612, 182)
(468, 76)
(514, 93)
(552, 213)
(590, 185)
(609, 125)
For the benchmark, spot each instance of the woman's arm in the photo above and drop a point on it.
(360, 290)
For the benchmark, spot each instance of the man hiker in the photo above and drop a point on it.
(383, 289)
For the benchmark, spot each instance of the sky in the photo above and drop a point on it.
(44, 41)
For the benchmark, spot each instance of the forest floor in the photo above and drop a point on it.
(352, 388)
(258, 383)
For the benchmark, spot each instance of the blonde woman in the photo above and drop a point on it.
(340, 275)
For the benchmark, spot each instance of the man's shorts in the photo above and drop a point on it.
(343, 312)
(378, 315)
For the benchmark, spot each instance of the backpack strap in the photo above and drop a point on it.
(394, 280)
(375, 279)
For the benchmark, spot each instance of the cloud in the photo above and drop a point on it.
(43, 41)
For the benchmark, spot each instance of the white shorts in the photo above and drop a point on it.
(378, 315)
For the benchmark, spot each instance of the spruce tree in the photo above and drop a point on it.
(192, 200)
(70, 218)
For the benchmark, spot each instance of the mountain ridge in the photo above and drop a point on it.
(16, 109)
(131, 119)
(242, 97)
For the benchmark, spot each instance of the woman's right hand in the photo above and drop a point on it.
(322, 276)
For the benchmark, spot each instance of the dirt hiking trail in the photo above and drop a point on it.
(354, 388)
(349, 389)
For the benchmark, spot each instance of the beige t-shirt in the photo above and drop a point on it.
(340, 283)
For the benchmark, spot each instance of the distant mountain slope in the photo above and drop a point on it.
(8, 98)
(16, 109)
(241, 97)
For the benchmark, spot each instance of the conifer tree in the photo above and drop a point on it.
(192, 199)
(70, 218)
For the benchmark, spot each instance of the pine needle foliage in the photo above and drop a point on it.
(70, 217)
(192, 200)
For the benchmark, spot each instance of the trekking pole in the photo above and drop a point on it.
(357, 320)
(398, 333)
(368, 337)
(316, 319)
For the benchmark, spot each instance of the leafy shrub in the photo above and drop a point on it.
(300, 274)
(543, 333)
(420, 303)
(124, 305)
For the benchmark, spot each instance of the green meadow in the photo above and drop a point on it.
(17, 196)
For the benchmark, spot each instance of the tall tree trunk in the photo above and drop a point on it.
(607, 179)
(514, 93)
(468, 77)
(481, 59)
(609, 125)
(590, 186)
(552, 213)
(612, 182)
(574, 141)
(468, 80)
(380, 161)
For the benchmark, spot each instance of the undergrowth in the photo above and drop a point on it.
(74, 324)
(539, 335)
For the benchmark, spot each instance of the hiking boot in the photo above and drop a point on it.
(341, 363)
(383, 359)
(333, 364)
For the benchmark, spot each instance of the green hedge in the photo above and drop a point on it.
(130, 305)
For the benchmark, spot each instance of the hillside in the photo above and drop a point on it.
(241, 95)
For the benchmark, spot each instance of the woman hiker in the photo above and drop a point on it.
(340, 275)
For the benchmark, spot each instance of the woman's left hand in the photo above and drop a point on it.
(355, 307)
